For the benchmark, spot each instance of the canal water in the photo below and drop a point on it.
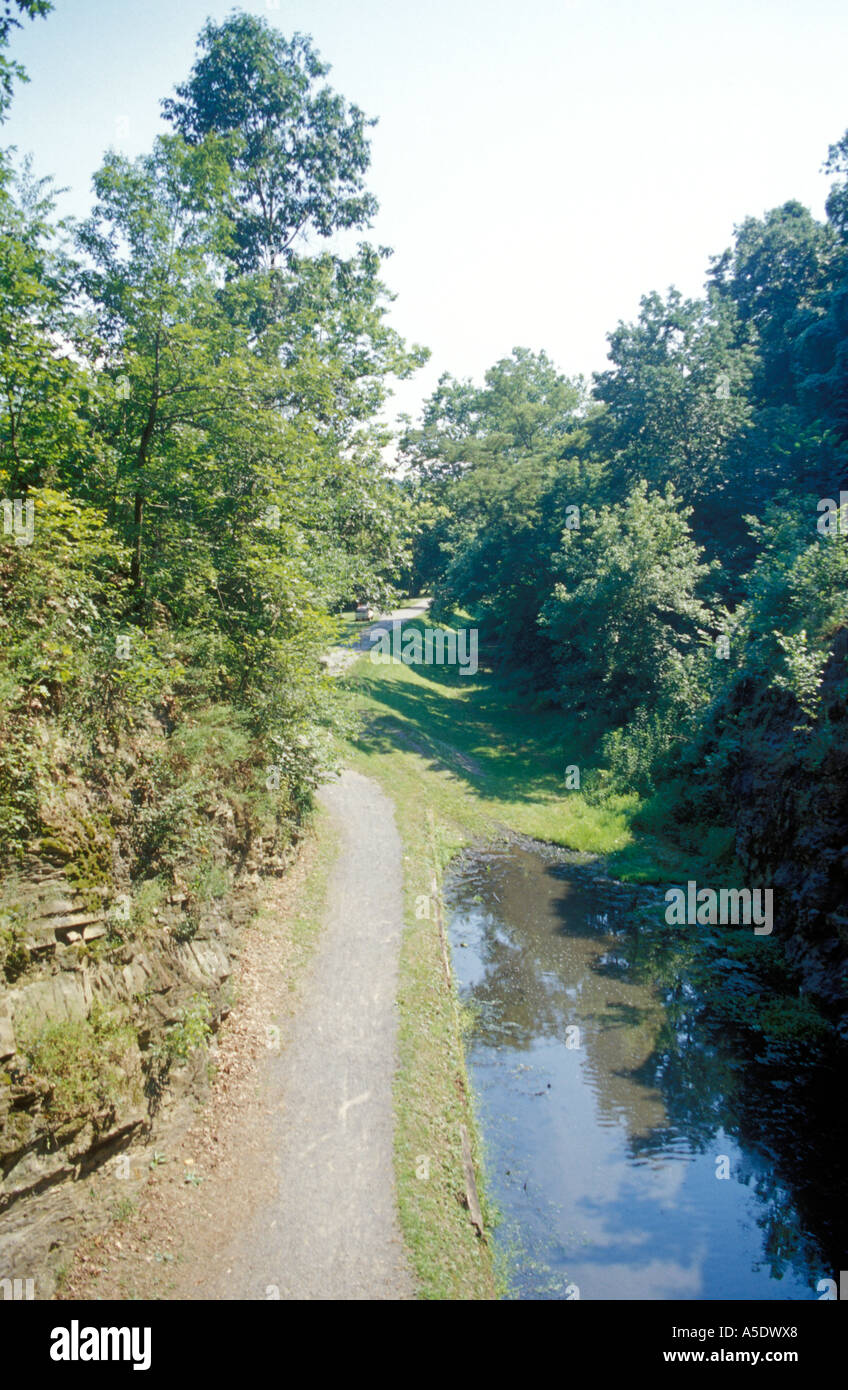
(633, 1150)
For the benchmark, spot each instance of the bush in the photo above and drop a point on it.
(90, 1065)
(190, 1032)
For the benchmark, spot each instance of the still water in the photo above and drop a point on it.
(610, 1108)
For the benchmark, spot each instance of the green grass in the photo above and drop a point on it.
(122, 1210)
(307, 917)
(300, 920)
(464, 760)
(492, 761)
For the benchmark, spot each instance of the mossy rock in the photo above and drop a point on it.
(84, 848)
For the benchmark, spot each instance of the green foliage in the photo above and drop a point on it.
(625, 618)
(632, 754)
(188, 406)
(148, 897)
(676, 395)
(804, 670)
(525, 408)
(89, 1066)
(46, 388)
(298, 153)
(59, 601)
(796, 589)
(61, 597)
(775, 275)
(21, 773)
(14, 955)
(191, 1031)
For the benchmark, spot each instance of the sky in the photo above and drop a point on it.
(540, 164)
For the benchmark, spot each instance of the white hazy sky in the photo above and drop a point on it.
(540, 164)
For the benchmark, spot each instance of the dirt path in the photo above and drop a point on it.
(330, 1230)
(340, 659)
(282, 1186)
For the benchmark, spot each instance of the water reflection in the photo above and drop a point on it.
(609, 1104)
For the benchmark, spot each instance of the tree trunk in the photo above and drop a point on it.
(138, 520)
(141, 461)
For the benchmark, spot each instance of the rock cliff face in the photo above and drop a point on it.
(71, 962)
(115, 966)
(791, 815)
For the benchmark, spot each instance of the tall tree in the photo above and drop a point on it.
(298, 151)
(485, 458)
(44, 389)
(822, 350)
(626, 616)
(777, 274)
(149, 242)
(677, 411)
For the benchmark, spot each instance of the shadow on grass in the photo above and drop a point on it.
(503, 751)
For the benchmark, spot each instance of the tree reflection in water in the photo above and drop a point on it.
(675, 1074)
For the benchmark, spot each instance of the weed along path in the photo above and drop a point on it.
(330, 1230)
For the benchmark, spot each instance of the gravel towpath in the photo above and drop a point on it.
(330, 1231)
